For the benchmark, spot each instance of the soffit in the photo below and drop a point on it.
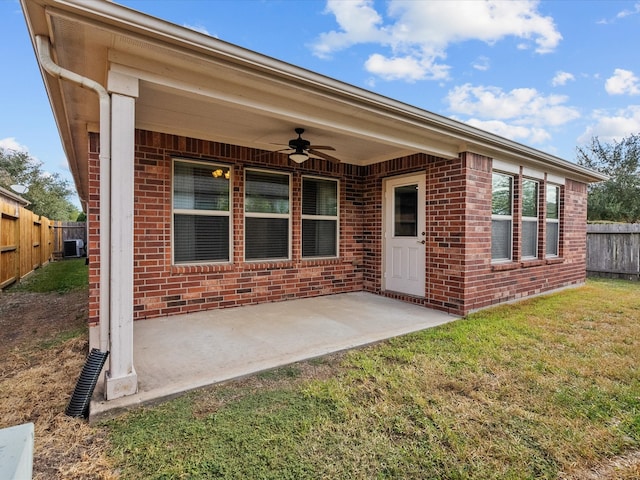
(219, 101)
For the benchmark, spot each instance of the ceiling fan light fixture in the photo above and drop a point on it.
(299, 157)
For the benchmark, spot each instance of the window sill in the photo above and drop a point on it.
(554, 261)
(260, 265)
(265, 264)
(201, 268)
(503, 267)
(321, 260)
(534, 262)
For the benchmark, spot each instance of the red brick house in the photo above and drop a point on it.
(176, 141)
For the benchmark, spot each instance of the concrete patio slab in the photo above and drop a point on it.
(173, 355)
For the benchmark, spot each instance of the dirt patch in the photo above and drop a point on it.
(29, 318)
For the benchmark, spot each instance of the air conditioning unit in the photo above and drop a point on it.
(73, 248)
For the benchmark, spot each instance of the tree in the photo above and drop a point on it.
(48, 193)
(617, 199)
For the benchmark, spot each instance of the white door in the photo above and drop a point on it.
(405, 235)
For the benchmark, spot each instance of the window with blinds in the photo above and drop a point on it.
(267, 215)
(501, 217)
(553, 220)
(319, 217)
(530, 190)
(201, 213)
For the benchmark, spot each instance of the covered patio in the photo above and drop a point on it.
(184, 352)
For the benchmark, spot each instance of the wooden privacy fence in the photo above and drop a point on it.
(613, 250)
(27, 241)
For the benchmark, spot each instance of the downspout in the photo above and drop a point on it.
(43, 49)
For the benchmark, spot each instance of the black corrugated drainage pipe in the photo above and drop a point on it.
(81, 398)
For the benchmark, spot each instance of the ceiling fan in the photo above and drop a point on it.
(302, 149)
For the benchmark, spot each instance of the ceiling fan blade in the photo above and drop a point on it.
(324, 156)
(321, 147)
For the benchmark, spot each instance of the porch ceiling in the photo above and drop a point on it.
(194, 85)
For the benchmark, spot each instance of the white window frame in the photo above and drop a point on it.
(555, 221)
(212, 213)
(268, 215)
(335, 218)
(503, 218)
(534, 220)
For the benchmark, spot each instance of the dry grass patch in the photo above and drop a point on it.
(35, 386)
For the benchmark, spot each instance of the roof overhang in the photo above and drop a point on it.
(194, 85)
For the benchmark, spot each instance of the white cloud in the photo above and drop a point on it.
(622, 82)
(526, 105)
(419, 33)
(520, 114)
(621, 14)
(513, 132)
(407, 68)
(359, 22)
(561, 78)
(482, 63)
(10, 143)
(613, 126)
(626, 13)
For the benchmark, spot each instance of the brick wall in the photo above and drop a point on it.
(162, 289)
(459, 273)
(488, 284)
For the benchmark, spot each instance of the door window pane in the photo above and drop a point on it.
(405, 211)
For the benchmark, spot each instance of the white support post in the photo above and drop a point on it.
(121, 378)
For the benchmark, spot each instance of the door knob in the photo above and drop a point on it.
(422, 241)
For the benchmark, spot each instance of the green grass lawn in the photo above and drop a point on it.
(522, 391)
(62, 276)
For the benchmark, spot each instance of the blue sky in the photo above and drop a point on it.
(548, 74)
